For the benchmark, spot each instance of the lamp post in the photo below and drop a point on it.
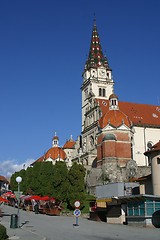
(18, 180)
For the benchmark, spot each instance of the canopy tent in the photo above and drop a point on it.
(7, 194)
(3, 199)
(36, 197)
(24, 197)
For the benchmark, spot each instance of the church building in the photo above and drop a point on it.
(115, 134)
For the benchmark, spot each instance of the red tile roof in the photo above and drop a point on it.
(70, 144)
(115, 118)
(40, 159)
(156, 146)
(139, 114)
(53, 153)
(3, 179)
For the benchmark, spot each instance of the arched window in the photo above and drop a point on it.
(92, 140)
(101, 152)
(104, 92)
(100, 91)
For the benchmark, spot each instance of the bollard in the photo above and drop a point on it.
(14, 221)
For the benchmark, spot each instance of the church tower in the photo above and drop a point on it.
(97, 84)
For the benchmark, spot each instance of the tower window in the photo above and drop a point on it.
(114, 102)
(102, 92)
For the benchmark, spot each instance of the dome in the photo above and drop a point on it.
(115, 118)
(113, 96)
(109, 136)
(55, 153)
(70, 144)
(55, 138)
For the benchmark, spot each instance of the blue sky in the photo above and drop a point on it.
(43, 48)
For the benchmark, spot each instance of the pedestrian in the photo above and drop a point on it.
(36, 208)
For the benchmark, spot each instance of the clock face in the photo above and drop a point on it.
(102, 73)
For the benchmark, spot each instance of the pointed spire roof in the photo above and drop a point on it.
(96, 57)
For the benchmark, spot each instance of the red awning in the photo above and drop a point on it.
(7, 194)
(45, 198)
(36, 197)
(3, 199)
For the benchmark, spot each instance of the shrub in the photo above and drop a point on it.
(3, 233)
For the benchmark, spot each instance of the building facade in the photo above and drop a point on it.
(115, 134)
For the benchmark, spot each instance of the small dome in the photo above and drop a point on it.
(55, 138)
(113, 96)
(109, 136)
(69, 144)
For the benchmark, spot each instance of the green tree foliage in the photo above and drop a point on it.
(77, 187)
(57, 181)
(35, 180)
(14, 184)
(3, 233)
(40, 178)
(60, 181)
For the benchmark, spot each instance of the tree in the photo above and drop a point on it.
(40, 178)
(76, 185)
(14, 184)
(35, 180)
(60, 181)
(57, 181)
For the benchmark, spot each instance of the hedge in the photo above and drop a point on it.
(3, 233)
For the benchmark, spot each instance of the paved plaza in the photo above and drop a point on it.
(38, 227)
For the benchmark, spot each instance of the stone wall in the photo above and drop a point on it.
(111, 172)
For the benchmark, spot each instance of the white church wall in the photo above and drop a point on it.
(152, 135)
(95, 89)
(141, 137)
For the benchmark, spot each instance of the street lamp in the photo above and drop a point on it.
(18, 180)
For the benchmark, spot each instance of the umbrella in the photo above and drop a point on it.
(24, 197)
(36, 197)
(3, 199)
(12, 195)
(52, 199)
(45, 198)
(7, 194)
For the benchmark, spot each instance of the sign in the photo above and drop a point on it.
(18, 194)
(129, 191)
(77, 212)
(77, 204)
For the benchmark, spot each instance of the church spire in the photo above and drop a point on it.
(96, 57)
